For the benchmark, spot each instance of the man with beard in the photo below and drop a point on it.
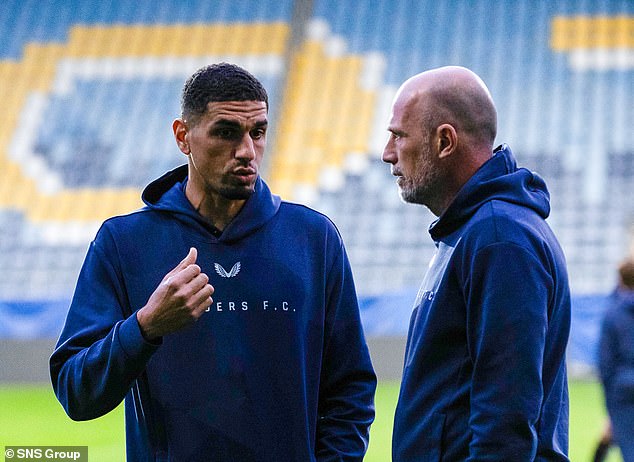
(484, 375)
(275, 366)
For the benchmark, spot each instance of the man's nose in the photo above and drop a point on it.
(388, 155)
(246, 148)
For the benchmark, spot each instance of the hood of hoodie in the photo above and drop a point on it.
(167, 194)
(497, 179)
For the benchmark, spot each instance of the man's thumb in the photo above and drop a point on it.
(190, 259)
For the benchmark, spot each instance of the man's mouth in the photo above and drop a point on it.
(246, 175)
(245, 171)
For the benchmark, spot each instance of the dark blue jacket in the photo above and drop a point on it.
(616, 350)
(485, 375)
(616, 368)
(276, 370)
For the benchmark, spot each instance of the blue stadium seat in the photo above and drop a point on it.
(24, 21)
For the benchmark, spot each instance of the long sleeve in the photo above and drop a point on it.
(508, 322)
(348, 382)
(608, 349)
(101, 351)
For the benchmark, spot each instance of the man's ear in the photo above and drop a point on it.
(447, 139)
(180, 135)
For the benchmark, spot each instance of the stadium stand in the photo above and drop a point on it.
(90, 99)
(89, 90)
(555, 69)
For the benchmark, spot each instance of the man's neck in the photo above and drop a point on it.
(216, 209)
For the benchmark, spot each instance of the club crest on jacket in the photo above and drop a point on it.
(223, 272)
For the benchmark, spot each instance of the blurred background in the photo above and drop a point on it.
(88, 92)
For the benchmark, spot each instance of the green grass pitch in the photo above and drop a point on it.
(30, 415)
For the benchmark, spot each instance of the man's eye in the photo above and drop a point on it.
(225, 133)
(257, 133)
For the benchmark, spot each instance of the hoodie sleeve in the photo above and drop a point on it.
(101, 351)
(507, 322)
(608, 351)
(348, 382)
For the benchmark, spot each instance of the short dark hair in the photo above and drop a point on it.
(626, 273)
(219, 82)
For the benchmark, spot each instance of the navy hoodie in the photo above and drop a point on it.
(485, 376)
(616, 350)
(616, 367)
(276, 370)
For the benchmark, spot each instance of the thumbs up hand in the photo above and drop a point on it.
(180, 299)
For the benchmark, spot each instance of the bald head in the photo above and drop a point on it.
(457, 96)
(442, 129)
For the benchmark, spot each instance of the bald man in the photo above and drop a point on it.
(485, 374)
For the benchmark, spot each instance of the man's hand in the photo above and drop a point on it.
(180, 299)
